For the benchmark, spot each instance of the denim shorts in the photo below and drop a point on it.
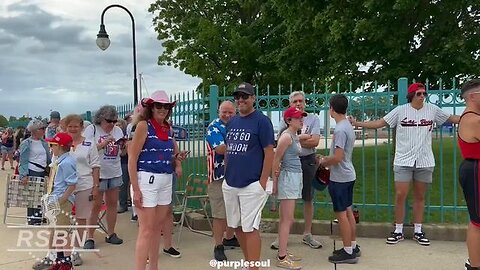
(289, 186)
(6, 150)
(342, 195)
(110, 183)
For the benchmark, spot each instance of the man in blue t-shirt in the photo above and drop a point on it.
(249, 160)
(217, 147)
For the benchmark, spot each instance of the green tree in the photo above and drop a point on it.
(294, 41)
(3, 121)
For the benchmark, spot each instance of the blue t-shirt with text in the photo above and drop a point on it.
(246, 138)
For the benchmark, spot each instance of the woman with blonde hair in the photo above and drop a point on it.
(151, 165)
(88, 172)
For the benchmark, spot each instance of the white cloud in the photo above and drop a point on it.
(52, 61)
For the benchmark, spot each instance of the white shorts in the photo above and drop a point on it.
(156, 188)
(244, 206)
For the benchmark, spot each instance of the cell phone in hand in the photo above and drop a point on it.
(121, 141)
(90, 197)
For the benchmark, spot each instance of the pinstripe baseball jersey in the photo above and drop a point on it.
(414, 133)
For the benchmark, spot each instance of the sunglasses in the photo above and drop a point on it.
(243, 96)
(159, 106)
(419, 94)
(111, 121)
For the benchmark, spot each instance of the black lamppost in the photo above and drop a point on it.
(103, 42)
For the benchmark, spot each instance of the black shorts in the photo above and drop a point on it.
(309, 167)
(342, 195)
(469, 177)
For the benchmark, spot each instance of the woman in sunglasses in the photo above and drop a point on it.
(108, 138)
(152, 163)
(414, 160)
(34, 160)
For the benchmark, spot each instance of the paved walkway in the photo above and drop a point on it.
(197, 251)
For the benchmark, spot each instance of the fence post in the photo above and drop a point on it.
(402, 88)
(213, 102)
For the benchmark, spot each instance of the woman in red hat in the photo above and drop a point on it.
(152, 163)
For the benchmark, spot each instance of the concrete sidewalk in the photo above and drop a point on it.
(197, 251)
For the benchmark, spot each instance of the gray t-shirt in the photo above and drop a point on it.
(311, 125)
(344, 138)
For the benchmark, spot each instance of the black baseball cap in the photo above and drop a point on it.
(245, 88)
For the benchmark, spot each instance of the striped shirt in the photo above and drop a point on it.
(414, 133)
(156, 155)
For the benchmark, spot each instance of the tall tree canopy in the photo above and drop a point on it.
(283, 41)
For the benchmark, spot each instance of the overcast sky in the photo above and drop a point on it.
(49, 59)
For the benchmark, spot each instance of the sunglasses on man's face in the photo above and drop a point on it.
(243, 96)
(110, 121)
(419, 94)
(159, 106)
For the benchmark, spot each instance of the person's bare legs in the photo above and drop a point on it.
(345, 228)
(352, 223)
(10, 159)
(473, 245)
(93, 220)
(111, 199)
(242, 240)
(401, 192)
(308, 216)
(80, 230)
(229, 232)
(287, 209)
(219, 227)
(4, 158)
(253, 246)
(161, 217)
(419, 190)
(167, 229)
(147, 222)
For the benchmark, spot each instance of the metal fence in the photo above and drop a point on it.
(374, 151)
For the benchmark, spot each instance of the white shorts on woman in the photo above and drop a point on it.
(156, 188)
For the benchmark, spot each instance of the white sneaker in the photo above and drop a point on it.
(274, 244)
(308, 240)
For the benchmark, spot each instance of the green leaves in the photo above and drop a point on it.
(303, 41)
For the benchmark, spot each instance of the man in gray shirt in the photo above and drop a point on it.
(309, 139)
(342, 180)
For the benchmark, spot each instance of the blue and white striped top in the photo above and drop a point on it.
(156, 155)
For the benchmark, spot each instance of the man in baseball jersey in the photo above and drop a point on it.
(414, 159)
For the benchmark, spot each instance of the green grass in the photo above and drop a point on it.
(374, 190)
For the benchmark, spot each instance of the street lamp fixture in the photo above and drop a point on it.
(103, 42)
(102, 38)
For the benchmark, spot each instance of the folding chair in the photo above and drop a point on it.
(195, 189)
(23, 196)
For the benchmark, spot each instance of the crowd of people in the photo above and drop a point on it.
(113, 161)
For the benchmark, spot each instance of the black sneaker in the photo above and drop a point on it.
(356, 251)
(231, 243)
(113, 239)
(343, 257)
(469, 267)
(394, 238)
(134, 218)
(219, 253)
(172, 252)
(89, 244)
(421, 239)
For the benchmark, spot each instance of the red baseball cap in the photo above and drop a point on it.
(293, 112)
(62, 139)
(415, 86)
